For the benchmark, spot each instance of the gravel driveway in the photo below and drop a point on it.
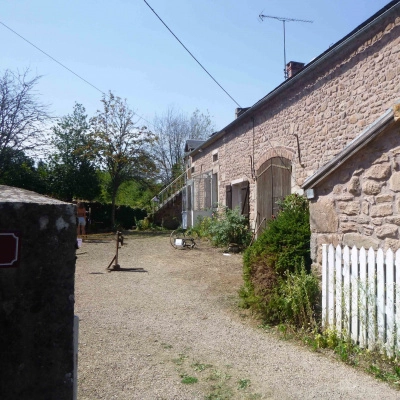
(166, 327)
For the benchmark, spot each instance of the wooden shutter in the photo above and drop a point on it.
(215, 190)
(207, 192)
(228, 197)
(244, 194)
(189, 197)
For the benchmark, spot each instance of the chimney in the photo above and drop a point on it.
(240, 111)
(293, 67)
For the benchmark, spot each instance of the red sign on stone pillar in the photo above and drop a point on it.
(10, 245)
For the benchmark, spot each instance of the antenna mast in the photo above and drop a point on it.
(283, 19)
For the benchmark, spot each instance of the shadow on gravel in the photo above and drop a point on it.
(146, 233)
(97, 241)
(127, 270)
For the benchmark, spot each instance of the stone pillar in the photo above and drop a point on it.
(37, 298)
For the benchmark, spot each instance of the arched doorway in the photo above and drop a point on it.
(273, 184)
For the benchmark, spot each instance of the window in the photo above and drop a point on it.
(215, 157)
(237, 195)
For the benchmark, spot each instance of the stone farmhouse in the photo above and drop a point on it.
(330, 131)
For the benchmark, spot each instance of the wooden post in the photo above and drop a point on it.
(119, 239)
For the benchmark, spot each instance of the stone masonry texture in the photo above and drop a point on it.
(310, 119)
(368, 218)
(37, 298)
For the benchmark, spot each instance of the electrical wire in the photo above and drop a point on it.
(198, 62)
(101, 91)
(64, 66)
(48, 55)
(290, 171)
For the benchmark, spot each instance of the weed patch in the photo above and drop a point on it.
(188, 380)
(216, 383)
(243, 383)
(180, 360)
(200, 367)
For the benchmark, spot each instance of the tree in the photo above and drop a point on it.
(121, 146)
(19, 170)
(173, 129)
(73, 171)
(22, 116)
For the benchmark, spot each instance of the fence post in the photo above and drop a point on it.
(324, 281)
(380, 282)
(389, 303)
(397, 296)
(363, 297)
(346, 290)
(339, 291)
(331, 285)
(371, 299)
(354, 294)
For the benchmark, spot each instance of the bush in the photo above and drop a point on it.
(286, 240)
(201, 228)
(223, 228)
(229, 226)
(294, 298)
(276, 271)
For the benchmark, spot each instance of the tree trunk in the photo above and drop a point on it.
(114, 195)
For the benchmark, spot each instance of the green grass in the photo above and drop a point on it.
(188, 380)
(215, 383)
(200, 367)
(244, 383)
(180, 360)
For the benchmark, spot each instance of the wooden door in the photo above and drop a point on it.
(273, 184)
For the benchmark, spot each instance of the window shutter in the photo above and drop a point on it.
(244, 193)
(228, 197)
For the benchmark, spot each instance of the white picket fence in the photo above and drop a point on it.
(361, 296)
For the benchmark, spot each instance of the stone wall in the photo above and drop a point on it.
(314, 115)
(359, 204)
(37, 298)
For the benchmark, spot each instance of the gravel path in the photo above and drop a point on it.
(147, 331)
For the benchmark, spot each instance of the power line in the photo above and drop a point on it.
(64, 66)
(48, 55)
(198, 62)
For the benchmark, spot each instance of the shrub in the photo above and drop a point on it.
(294, 298)
(286, 240)
(276, 270)
(143, 224)
(229, 226)
(201, 228)
(223, 228)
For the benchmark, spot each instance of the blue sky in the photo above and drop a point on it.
(120, 45)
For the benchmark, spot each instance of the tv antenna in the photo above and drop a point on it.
(284, 20)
